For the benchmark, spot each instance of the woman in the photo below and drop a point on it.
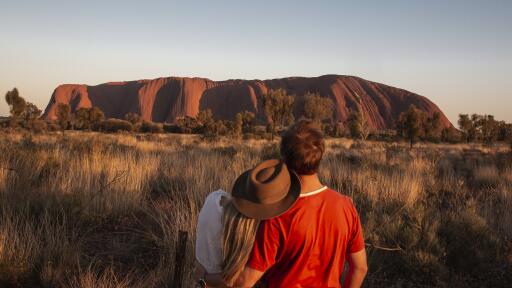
(228, 223)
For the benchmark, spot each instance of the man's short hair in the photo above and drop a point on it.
(302, 147)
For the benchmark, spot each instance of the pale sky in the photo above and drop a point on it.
(456, 53)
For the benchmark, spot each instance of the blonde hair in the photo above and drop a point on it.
(237, 239)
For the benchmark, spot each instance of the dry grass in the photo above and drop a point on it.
(95, 210)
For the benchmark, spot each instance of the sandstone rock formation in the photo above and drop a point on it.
(165, 99)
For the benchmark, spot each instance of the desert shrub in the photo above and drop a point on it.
(150, 127)
(245, 122)
(383, 135)
(171, 128)
(52, 126)
(278, 107)
(87, 210)
(467, 234)
(451, 135)
(336, 130)
(115, 125)
(39, 126)
(217, 128)
(4, 122)
(189, 125)
(133, 118)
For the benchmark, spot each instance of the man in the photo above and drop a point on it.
(307, 245)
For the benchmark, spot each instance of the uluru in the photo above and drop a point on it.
(166, 99)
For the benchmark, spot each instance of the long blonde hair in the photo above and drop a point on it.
(237, 239)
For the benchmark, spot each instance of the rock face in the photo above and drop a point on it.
(165, 99)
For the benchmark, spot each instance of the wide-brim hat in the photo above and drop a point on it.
(266, 191)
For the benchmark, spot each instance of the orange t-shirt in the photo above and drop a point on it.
(306, 246)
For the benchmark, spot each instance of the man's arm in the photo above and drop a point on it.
(263, 254)
(248, 278)
(357, 268)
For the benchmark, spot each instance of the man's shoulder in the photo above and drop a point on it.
(337, 196)
(329, 197)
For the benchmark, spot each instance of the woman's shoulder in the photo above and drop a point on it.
(217, 199)
(217, 195)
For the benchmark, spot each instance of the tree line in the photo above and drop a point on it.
(279, 109)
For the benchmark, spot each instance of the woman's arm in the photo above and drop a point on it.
(212, 280)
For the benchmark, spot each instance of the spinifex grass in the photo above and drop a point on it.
(95, 210)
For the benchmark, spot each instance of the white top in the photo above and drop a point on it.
(209, 233)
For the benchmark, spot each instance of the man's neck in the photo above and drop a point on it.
(309, 183)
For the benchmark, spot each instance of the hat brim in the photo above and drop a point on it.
(241, 199)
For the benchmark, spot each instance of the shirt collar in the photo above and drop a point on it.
(313, 192)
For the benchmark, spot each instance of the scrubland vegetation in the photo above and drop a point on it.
(103, 209)
(279, 110)
(86, 209)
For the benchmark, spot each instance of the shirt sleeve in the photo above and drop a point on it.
(208, 235)
(356, 242)
(266, 246)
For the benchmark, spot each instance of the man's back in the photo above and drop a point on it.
(307, 245)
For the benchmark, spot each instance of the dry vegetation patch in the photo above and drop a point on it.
(96, 210)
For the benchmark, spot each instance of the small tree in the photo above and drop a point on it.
(216, 128)
(317, 108)
(452, 135)
(31, 114)
(334, 130)
(354, 125)
(205, 121)
(278, 107)
(244, 121)
(87, 118)
(489, 128)
(357, 122)
(475, 132)
(510, 139)
(96, 115)
(63, 115)
(16, 104)
(82, 119)
(432, 127)
(410, 124)
(205, 117)
(465, 126)
(504, 131)
(187, 125)
(21, 110)
(238, 125)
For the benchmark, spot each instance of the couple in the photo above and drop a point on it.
(280, 226)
